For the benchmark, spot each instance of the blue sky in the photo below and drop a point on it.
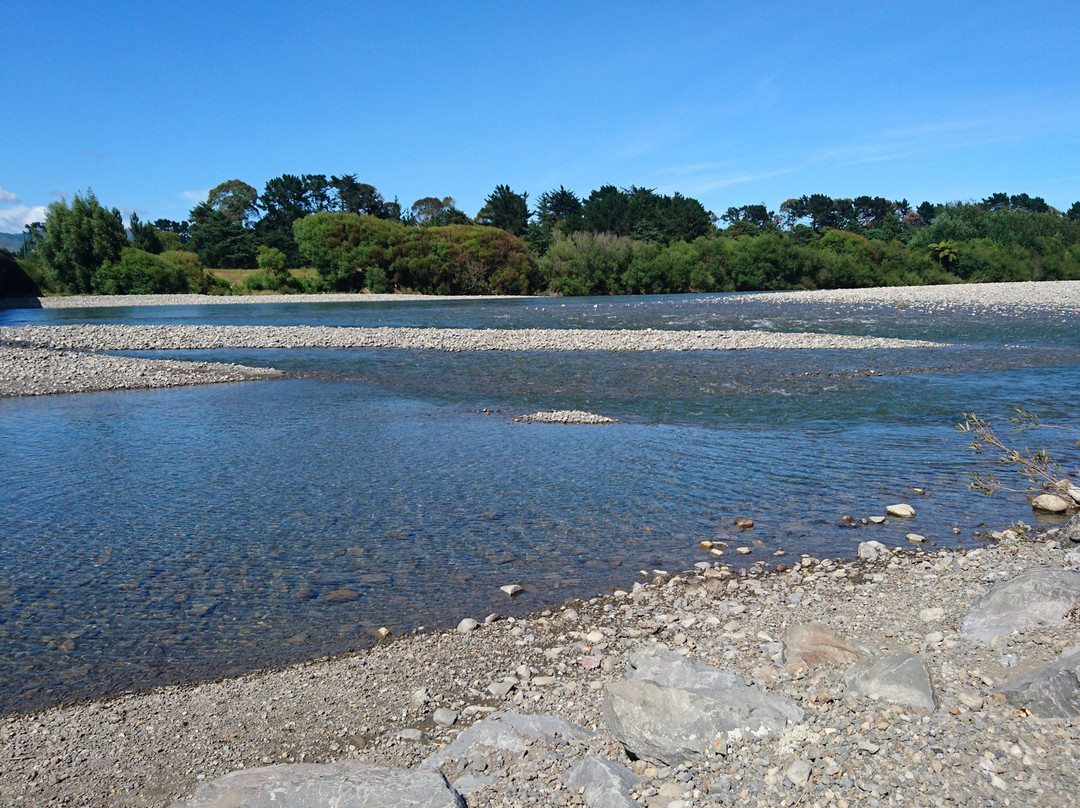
(151, 105)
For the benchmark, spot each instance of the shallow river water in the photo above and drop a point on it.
(172, 535)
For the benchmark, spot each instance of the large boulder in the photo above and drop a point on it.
(899, 677)
(1039, 596)
(672, 708)
(345, 784)
(1052, 691)
(606, 784)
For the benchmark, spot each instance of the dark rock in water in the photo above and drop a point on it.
(1052, 691)
(308, 785)
(373, 578)
(500, 557)
(605, 782)
(304, 592)
(1040, 595)
(342, 595)
(671, 708)
(202, 608)
(899, 677)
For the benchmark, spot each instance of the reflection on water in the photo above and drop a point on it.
(168, 535)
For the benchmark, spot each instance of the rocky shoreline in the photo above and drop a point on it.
(533, 702)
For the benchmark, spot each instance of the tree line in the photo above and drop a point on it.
(611, 241)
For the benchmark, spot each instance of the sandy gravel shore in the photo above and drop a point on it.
(1041, 295)
(378, 705)
(202, 337)
(44, 371)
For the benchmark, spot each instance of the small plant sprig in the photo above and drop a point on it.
(1037, 467)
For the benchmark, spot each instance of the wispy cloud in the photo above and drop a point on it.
(14, 219)
(195, 196)
(59, 194)
(7, 196)
(97, 157)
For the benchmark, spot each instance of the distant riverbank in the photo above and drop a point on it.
(1027, 293)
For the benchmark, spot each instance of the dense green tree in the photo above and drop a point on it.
(138, 272)
(505, 209)
(353, 196)
(235, 199)
(605, 211)
(144, 236)
(431, 211)
(79, 239)
(219, 239)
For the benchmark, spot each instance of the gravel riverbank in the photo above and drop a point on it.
(26, 371)
(202, 337)
(402, 701)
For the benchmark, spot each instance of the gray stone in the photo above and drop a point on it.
(798, 772)
(445, 717)
(344, 784)
(1051, 503)
(1040, 595)
(870, 550)
(467, 625)
(606, 783)
(669, 668)
(901, 511)
(1052, 691)
(672, 708)
(899, 677)
(1070, 531)
(812, 644)
(504, 732)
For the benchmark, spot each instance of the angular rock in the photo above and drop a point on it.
(870, 550)
(1040, 595)
(504, 732)
(606, 783)
(671, 708)
(513, 590)
(1052, 691)
(899, 677)
(812, 644)
(901, 510)
(349, 783)
(1070, 532)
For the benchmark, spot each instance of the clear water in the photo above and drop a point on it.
(160, 536)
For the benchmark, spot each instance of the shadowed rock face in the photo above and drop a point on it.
(1052, 691)
(1040, 595)
(899, 677)
(309, 785)
(672, 708)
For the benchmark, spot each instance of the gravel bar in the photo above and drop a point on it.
(996, 296)
(378, 705)
(44, 371)
(202, 337)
